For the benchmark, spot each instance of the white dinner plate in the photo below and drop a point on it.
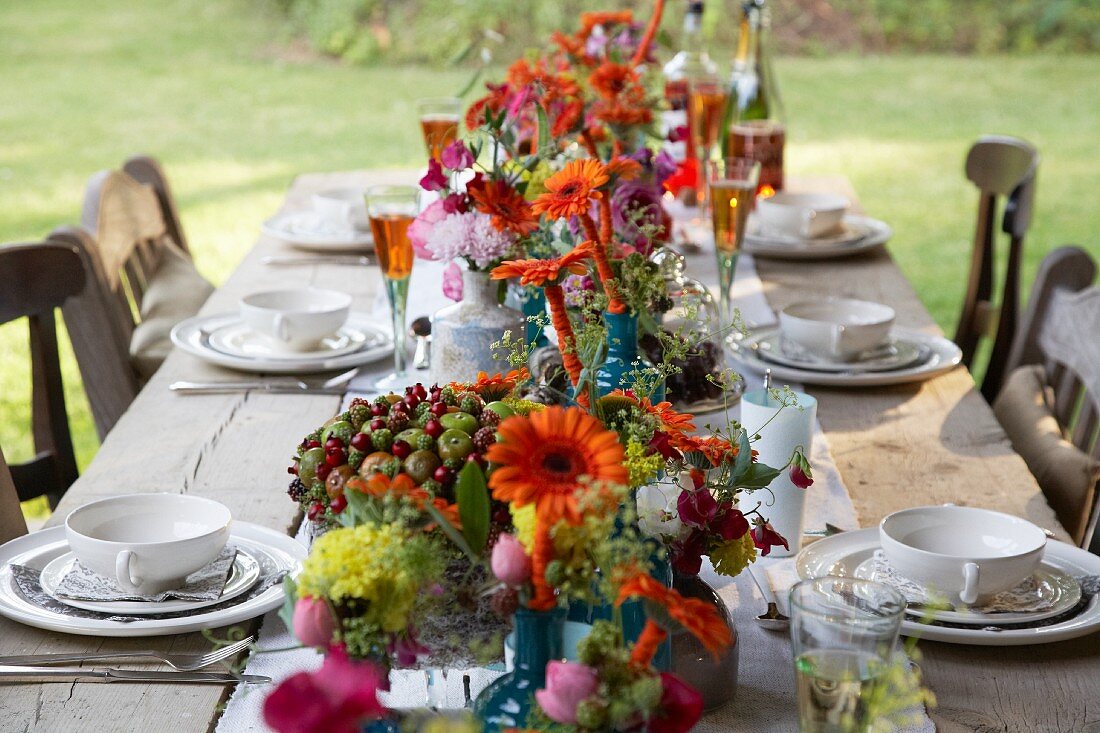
(38, 549)
(305, 230)
(236, 338)
(242, 576)
(875, 234)
(899, 353)
(841, 554)
(943, 356)
(194, 337)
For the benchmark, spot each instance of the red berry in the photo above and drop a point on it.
(361, 441)
(338, 504)
(333, 442)
(377, 424)
(313, 444)
(433, 428)
(378, 410)
(411, 401)
(401, 449)
(336, 458)
(420, 392)
(439, 409)
(443, 475)
(474, 457)
(436, 393)
(323, 470)
(316, 511)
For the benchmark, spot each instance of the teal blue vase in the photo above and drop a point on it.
(623, 355)
(534, 304)
(506, 702)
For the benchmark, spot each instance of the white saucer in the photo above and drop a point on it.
(242, 576)
(842, 554)
(38, 549)
(306, 230)
(235, 338)
(861, 234)
(897, 354)
(1052, 581)
(943, 356)
(194, 336)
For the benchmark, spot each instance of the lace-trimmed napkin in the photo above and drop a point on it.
(205, 584)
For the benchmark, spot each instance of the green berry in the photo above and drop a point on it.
(425, 442)
(382, 439)
(646, 692)
(555, 573)
(359, 416)
(471, 403)
(391, 467)
(591, 715)
(422, 409)
(432, 486)
(355, 459)
(447, 394)
(455, 464)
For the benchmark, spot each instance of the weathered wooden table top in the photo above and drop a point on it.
(895, 447)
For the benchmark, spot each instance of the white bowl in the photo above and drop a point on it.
(296, 319)
(837, 328)
(149, 543)
(805, 215)
(966, 553)
(342, 208)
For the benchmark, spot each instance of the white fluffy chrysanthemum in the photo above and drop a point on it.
(470, 235)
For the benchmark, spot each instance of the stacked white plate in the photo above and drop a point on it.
(306, 230)
(857, 234)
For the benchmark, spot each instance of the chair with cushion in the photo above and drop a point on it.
(141, 259)
(1050, 402)
(1002, 168)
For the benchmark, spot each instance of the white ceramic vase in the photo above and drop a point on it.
(463, 334)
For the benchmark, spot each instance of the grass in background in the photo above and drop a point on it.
(216, 92)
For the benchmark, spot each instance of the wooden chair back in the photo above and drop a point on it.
(147, 171)
(12, 524)
(1001, 168)
(39, 278)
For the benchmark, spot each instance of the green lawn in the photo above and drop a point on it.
(213, 91)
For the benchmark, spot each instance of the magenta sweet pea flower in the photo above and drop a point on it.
(799, 478)
(765, 537)
(338, 698)
(455, 203)
(457, 156)
(313, 622)
(730, 524)
(680, 709)
(423, 225)
(568, 684)
(697, 507)
(510, 562)
(434, 179)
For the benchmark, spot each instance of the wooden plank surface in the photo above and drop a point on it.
(895, 447)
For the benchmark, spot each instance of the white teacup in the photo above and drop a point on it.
(969, 554)
(297, 319)
(342, 208)
(149, 543)
(806, 215)
(837, 328)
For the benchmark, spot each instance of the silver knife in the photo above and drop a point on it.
(269, 387)
(321, 260)
(106, 674)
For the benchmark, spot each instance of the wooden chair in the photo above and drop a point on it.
(1000, 167)
(38, 278)
(147, 171)
(12, 524)
(1060, 331)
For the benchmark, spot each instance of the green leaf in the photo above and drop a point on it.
(449, 529)
(286, 613)
(758, 476)
(472, 495)
(546, 145)
(743, 462)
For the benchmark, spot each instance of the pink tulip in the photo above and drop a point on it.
(422, 227)
(510, 562)
(340, 697)
(313, 622)
(568, 684)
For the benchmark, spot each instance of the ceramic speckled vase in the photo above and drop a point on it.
(463, 334)
(714, 679)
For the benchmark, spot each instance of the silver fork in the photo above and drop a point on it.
(178, 662)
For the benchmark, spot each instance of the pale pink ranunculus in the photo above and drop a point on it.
(510, 562)
(452, 282)
(568, 684)
(313, 622)
(422, 227)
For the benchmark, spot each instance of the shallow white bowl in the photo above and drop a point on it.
(295, 319)
(966, 553)
(837, 328)
(806, 215)
(149, 543)
(342, 207)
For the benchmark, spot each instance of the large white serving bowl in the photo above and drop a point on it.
(966, 553)
(837, 328)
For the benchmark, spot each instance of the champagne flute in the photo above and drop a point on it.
(732, 193)
(391, 210)
(439, 120)
(706, 103)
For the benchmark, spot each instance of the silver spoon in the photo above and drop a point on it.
(421, 330)
(772, 619)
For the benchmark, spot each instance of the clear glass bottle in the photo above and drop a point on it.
(753, 125)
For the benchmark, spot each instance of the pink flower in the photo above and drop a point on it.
(456, 156)
(337, 698)
(731, 524)
(510, 562)
(434, 179)
(697, 507)
(800, 478)
(452, 282)
(470, 235)
(765, 538)
(422, 228)
(455, 203)
(680, 709)
(313, 622)
(567, 685)
(405, 648)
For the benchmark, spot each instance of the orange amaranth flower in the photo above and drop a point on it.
(609, 80)
(541, 272)
(507, 207)
(699, 617)
(568, 191)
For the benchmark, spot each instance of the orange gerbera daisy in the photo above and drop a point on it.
(590, 20)
(498, 386)
(671, 420)
(623, 112)
(626, 169)
(540, 272)
(493, 102)
(609, 80)
(507, 207)
(568, 191)
(402, 486)
(699, 617)
(714, 448)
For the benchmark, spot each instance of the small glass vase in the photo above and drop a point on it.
(539, 639)
(623, 355)
(463, 334)
(714, 679)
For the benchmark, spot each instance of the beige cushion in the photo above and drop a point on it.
(1067, 475)
(174, 293)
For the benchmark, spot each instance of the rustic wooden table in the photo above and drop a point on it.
(895, 447)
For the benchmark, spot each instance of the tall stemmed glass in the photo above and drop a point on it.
(706, 103)
(439, 120)
(732, 192)
(391, 210)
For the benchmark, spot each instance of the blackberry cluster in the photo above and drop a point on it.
(690, 384)
(297, 490)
